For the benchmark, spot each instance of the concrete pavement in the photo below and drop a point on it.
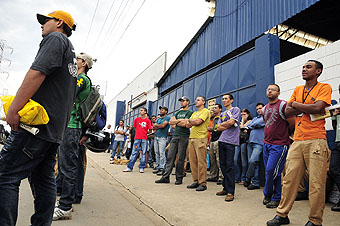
(181, 206)
(112, 197)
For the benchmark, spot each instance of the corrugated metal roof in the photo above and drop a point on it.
(236, 22)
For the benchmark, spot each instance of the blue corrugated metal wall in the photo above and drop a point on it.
(236, 22)
(246, 76)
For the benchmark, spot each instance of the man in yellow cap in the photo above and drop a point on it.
(50, 81)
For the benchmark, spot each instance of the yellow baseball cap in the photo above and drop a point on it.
(60, 15)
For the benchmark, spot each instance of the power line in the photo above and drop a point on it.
(88, 33)
(114, 22)
(125, 13)
(110, 52)
(108, 14)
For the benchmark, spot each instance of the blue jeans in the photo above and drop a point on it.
(254, 152)
(160, 145)
(240, 175)
(22, 156)
(138, 145)
(150, 151)
(116, 144)
(68, 162)
(226, 154)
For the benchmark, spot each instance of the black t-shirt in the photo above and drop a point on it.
(215, 135)
(56, 59)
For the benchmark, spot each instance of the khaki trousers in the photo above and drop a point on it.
(197, 148)
(314, 156)
(215, 169)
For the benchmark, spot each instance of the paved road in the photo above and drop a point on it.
(102, 205)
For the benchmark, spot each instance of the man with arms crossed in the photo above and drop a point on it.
(309, 150)
(51, 81)
(229, 125)
(197, 146)
(178, 144)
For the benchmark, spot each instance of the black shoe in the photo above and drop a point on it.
(272, 204)
(277, 221)
(178, 182)
(160, 173)
(185, 174)
(246, 183)
(253, 187)
(301, 196)
(193, 185)
(309, 223)
(201, 187)
(163, 180)
(155, 171)
(266, 200)
(151, 165)
(212, 180)
(336, 207)
(219, 182)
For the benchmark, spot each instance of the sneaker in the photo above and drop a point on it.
(309, 223)
(253, 187)
(162, 181)
(221, 193)
(127, 170)
(272, 204)
(155, 171)
(246, 184)
(201, 187)
(178, 182)
(160, 172)
(60, 214)
(266, 200)
(229, 197)
(336, 208)
(277, 221)
(111, 159)
(193, 185)
(141, 170)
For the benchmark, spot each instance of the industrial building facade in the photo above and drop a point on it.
(236, 51)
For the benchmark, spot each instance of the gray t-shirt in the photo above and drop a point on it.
(119, 137)
(57, 60)
(337, 130)
(232, 134)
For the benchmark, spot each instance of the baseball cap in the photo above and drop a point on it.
(184, 98)
(165, 108)
(87, 58)
(60, 15)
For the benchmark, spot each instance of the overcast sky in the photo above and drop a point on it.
(122, 51)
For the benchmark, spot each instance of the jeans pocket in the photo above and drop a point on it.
(36, 148)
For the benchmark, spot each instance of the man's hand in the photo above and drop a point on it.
(83, 140)
(13, 119)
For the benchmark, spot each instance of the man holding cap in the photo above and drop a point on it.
(51, 81)
(179, 143)
(162, 127)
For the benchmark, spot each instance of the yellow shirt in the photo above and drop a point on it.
(200, 131)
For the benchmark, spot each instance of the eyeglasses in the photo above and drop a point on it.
(47, 19)
(272, 89)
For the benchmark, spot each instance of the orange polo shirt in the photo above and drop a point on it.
(305, 129)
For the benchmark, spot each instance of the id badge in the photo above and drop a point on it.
(300, 115)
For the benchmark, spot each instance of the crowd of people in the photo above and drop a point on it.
(282, 134)
(233, 139)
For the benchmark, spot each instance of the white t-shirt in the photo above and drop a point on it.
(110, 131)
(119, 137)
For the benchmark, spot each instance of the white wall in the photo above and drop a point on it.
(288, 74)
(144, 82)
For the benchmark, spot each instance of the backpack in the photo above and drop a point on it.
(90, 107)
(101, 118)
